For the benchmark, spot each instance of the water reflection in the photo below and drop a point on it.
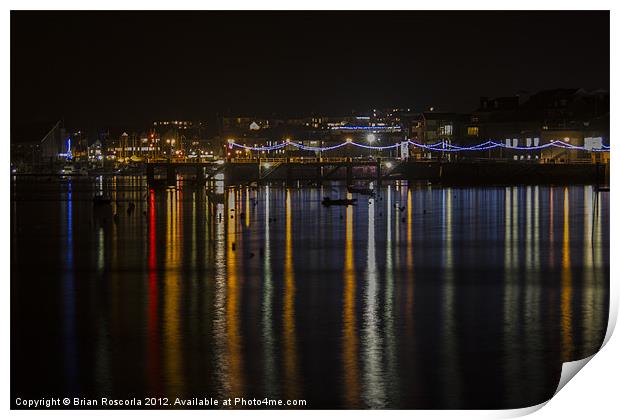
(595, 315)
(390, 316)
(511, 291)
(234, 376)
(349, 334)
(265, 293)
(68, 296)
(269, 372)
(372, 343)
(567, 290)
(219, 318)
(288, 321)
(409, 263)
(172, 315)
(450, 364)
(153, 338)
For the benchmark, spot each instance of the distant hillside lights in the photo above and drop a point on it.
(176, 124)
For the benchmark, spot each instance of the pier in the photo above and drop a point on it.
(318, 170)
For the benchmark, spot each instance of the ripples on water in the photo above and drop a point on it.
(420, 298)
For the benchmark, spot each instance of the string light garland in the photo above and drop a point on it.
(441, 146)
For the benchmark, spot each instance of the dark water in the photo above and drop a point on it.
(421, 298)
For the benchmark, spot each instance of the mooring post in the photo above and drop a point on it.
(289, 171)
(171, 172)
(200, 174)
(349, 164)
(228, 173)
(150, 174)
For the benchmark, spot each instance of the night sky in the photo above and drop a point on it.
(97, 69)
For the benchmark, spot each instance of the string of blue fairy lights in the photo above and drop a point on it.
(441, 146)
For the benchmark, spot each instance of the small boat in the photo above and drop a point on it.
(101, 200)
(361, 190)
(339, 202)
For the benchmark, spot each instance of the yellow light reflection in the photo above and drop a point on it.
(351, 375)
(289, 334)
(409, 297)
(567, 290)
(551, 229)
(247, 207)
(171, 319)
(233, 327)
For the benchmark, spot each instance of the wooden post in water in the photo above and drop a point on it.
(171, 174)
(289, 172)
(150, 174)
(200, 175)
(349, 165)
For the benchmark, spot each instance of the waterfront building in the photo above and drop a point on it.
(566, 115)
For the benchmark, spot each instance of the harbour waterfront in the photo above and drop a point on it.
(421, 297)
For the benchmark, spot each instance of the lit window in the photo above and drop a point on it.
(445, 130)
(472, 131)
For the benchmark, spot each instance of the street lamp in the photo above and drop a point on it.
(371, 138)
